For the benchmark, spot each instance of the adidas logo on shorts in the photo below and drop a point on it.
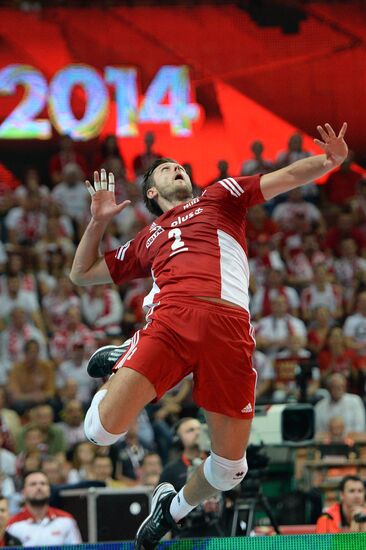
(247, 409)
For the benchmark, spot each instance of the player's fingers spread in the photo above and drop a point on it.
(343, 130)
(89, 187)
(330, 130)
(103, 179)
(320, 143)
(96, 181)
(323, 133)
(111, 184)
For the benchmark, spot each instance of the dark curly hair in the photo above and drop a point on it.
(148, 182)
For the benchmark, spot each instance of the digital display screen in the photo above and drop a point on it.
(166, 100)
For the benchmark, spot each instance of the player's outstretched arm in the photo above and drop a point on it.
(309, 169)
(89, 266)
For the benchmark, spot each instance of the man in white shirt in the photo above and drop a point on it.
(272, 332)
(38, 524)
(340, 403)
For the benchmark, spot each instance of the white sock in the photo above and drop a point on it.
(179, 507)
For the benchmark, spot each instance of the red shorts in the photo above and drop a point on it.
(213, 341)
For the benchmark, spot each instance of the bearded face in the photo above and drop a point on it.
(36, 489)
(172, 183)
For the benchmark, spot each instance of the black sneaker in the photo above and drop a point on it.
(160, 521)
(103, 360)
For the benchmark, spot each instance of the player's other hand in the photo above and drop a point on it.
(333, 146)
(103, 201)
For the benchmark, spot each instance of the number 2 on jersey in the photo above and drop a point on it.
(177, 245)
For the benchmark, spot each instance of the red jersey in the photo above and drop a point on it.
(197, 248)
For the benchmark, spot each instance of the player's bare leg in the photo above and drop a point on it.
(229, 440)
(223, 470)
(128, 393)
(116, 405)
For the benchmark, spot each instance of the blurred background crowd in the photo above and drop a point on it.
(307, 253)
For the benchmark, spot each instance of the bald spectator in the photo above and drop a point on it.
(340, 403)
(336, 432)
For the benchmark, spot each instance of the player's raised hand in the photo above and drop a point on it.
(103, 204)
(333, 146)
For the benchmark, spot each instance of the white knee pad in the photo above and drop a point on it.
(93, 427)
(224, 474)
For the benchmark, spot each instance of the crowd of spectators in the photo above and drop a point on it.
(307, 254)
